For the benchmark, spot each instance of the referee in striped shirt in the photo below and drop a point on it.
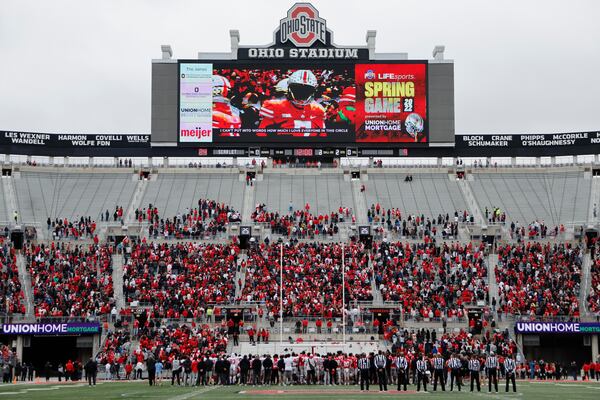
(455, 365)
(402, 368)
(474, 368)
(491, 364)
(510, 367)
(380, 364)
(364, 365)
(422, 368)
(438, 372)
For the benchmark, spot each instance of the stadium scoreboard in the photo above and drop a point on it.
(302, 96)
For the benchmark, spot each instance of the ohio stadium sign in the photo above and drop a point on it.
(302, 34)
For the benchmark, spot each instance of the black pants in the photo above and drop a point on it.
(402, 379)
(364, 379)
(421, 377)
(91, 378)
(439, 374)
(256, 377)
(382, 378)
(267, 379)
(311, 377)
(244, 376)
(492, 375)
(152, 377)
(176, 374)
(475, 378)
(510, 377)
(455, 376)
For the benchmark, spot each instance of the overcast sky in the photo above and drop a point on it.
(84, 66)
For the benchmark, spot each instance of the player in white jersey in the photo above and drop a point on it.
(234, 361)
(319, 367)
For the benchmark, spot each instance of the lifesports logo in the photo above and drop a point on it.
(369, 74)
(303, 26)
(196, 134)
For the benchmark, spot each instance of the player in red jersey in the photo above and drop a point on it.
(298, 110)
(224, 115)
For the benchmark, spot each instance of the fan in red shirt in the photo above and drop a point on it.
(298, 111)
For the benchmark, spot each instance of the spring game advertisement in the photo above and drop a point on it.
(391, 103)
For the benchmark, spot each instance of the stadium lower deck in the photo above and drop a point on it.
(155, 256)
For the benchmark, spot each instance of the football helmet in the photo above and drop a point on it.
(302, 85)
(220, 86)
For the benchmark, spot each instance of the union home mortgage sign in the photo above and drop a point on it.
(51, 328)
(558, 327)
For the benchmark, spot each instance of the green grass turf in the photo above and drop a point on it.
(138, 390)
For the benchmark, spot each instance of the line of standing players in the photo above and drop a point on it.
(436, 370)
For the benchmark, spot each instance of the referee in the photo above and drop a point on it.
(491, 364)
(474, 368)
(455, 365)
(438, 372)
(509, 368)
(364, 365)
(422, 373)
(402, 368)
(380, 363)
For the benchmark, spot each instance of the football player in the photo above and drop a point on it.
(225, 116)
(298, 110)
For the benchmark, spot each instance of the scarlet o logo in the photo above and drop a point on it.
(303, 26)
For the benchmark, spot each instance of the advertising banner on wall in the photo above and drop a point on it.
(51, 328)
(558, 327)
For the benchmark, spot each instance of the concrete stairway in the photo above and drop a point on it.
(117, 278)
(25, 279)
(136, 200)
(10, 198)
(360, 203)
(492, 261)
(585, 284)
(240, 275)
(248, 205)
(474, 209)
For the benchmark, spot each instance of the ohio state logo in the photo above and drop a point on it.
(303, 26)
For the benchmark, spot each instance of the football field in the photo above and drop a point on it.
(138, 390)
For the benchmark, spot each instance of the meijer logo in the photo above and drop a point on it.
(303, 26)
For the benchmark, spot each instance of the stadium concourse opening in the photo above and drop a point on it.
(56, 350)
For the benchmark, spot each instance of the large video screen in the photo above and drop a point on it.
(238, 104)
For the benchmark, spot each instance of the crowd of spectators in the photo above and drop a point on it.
(416, 226)
(70, 280)
(180, 279)
(169, 341)
(431, 281)
(302, 223)
(535, 230)
(85, 227)
(312, 277)
(205, 221)
(118, 214)
(536, 279)
(593, 299)
(11, 293)
(429, 342)
(116, 347)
